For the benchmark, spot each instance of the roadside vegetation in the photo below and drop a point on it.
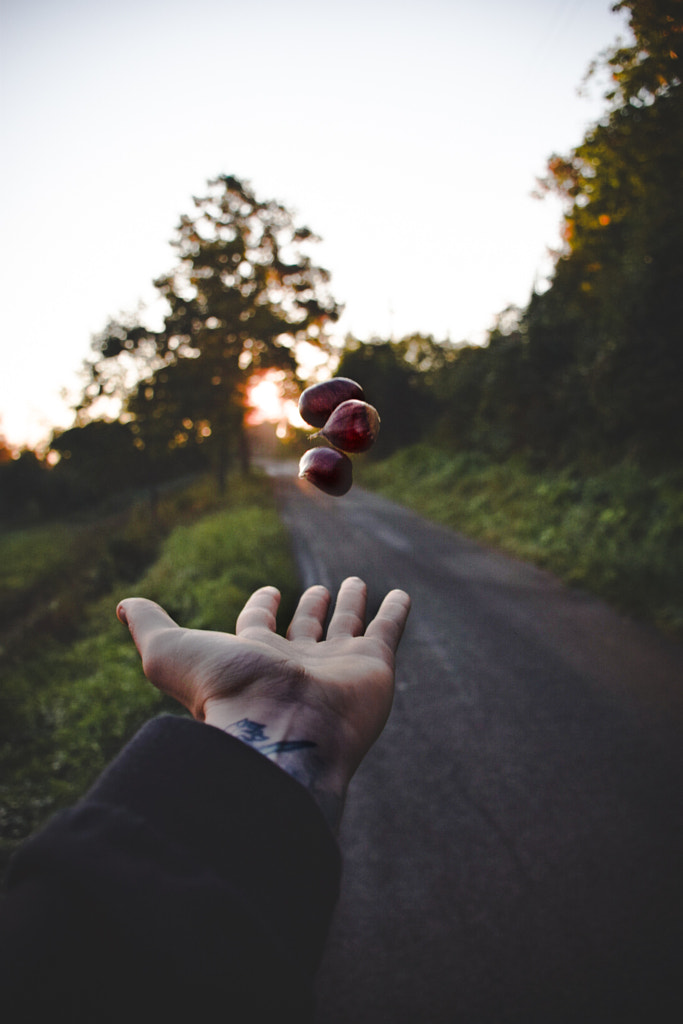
(617, 533)
(561, 438)
(73, 691)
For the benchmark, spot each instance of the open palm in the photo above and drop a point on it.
(333, 693)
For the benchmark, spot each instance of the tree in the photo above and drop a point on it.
(590, 371)
(24, 487)
(652, 65)
(96, 459)
(243, 294)
(401, 378)
(616, 295)
(6, 451)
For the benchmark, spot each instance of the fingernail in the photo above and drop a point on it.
(121, 614)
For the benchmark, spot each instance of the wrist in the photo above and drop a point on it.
(290, 739)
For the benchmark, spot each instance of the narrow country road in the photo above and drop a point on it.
(513, 842)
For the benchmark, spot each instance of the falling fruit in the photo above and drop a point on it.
(318, 402)
(352, 427)
(327, 469)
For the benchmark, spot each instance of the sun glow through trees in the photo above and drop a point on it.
(267, 404)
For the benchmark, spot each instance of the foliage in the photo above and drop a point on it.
(6, 450)
(401, 379)
(92, 464)
(68, 704)
(652, 64)
(207, 570)
(25, 489)
(95, 459)
(589, 374)
(243, 294)
(615, 298)
(51, 572)
(618, 533)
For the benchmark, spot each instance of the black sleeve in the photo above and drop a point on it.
(194, 882)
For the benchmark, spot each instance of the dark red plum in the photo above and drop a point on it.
(352, 427)
(328, 470)
(318, 402)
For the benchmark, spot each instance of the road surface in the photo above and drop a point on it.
(512, 843)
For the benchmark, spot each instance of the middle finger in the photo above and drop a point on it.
(349, 611)
(309, 618)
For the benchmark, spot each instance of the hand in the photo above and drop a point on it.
(313, 706)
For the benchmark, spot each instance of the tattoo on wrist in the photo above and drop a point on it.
(254, 733)
(307, 768)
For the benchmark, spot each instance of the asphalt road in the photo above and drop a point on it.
(513, 842)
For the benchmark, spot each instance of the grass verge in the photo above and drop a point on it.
(618, 534)
(72, 698)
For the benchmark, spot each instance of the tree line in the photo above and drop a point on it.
(588, 374)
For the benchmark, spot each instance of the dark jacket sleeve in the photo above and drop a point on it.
(195, 881)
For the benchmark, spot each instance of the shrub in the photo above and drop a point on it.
(68, 704)
(618, 533)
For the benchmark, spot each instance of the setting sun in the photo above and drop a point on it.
(268, 406)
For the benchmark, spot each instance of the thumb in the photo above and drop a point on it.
(169, 654)
(159, 641)
(144, 619)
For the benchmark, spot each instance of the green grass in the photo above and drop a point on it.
(29, 555)
(71, 699)
(206, 571)
(618, 533)
(50, 573)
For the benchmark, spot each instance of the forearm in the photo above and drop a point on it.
(197, 857)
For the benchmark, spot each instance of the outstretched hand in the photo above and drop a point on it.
(314, 706)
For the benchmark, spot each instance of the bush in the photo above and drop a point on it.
(618, 533)
(68, 705)
(206, 571)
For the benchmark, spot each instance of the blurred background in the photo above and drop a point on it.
(407, 135)
(207, 206)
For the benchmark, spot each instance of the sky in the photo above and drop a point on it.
(408, 134)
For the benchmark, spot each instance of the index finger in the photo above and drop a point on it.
(260, 611)
(389, 622)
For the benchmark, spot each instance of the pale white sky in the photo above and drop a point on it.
(407, 133)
